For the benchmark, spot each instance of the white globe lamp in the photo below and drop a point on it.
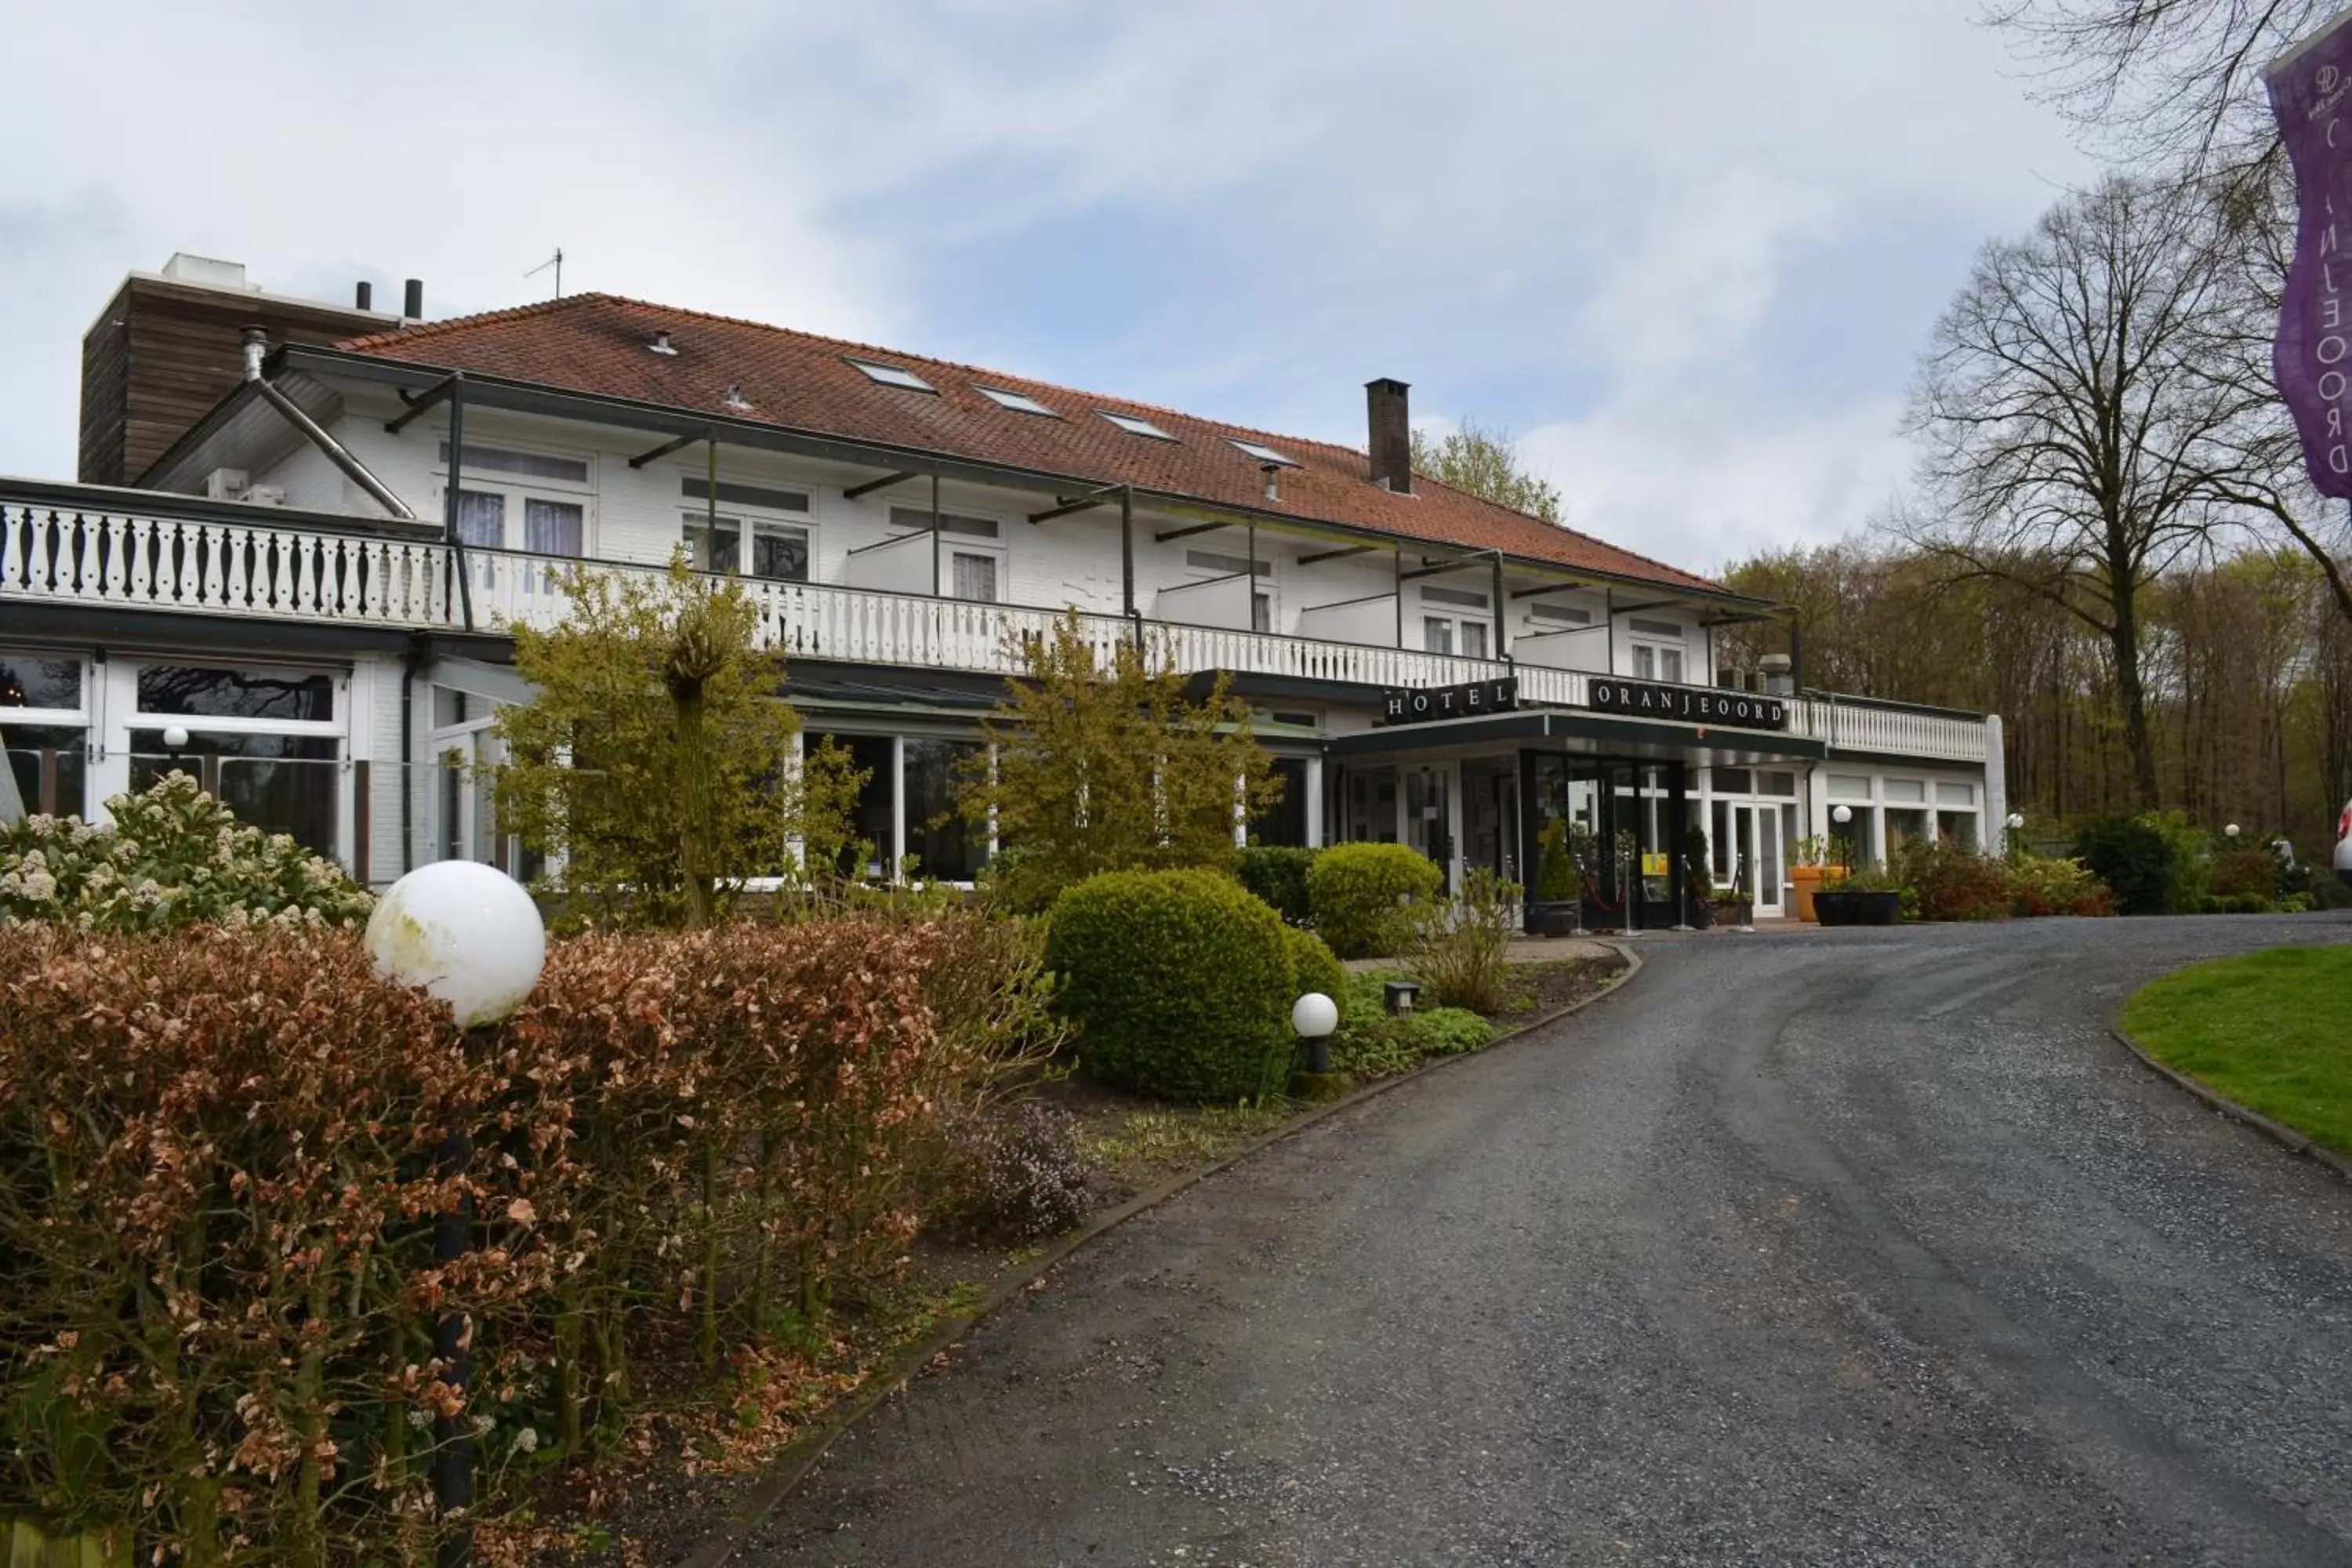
(465, 932)
(1314, 1017)
(2016, 820)
(1841, 814)
(2232, 829)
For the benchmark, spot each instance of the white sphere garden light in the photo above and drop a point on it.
(2232, 829)
(465, 932)
(1315, 1016)
(2016, 820)
(1841, 814)
(469, 935)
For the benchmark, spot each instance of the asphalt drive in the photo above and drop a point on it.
(1835, 1247)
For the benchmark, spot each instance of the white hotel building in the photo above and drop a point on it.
(270, 552)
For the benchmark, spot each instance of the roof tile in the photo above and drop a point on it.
(599, 344)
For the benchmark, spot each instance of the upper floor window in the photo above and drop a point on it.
(919, 519)
(779, 551)
(1654, 661)
(694, 487)
(1560, 614)
(503, 460)
(492, 520)
(1464, 635)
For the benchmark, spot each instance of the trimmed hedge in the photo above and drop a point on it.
(1314, 967)
(1179, 983)
(1362, 894)
(1278, 875)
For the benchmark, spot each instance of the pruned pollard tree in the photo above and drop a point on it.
(2080, 436)
(655, 756)
(1099, 759)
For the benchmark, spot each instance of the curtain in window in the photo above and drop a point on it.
(482, 518)
(1474, 638)
(554, 527)
(1436, 635)
(975, 578)
(780, 554)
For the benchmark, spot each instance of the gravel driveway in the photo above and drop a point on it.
(1841, 1247)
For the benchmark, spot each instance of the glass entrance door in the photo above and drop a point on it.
(1490, 816)
(1424, 816)
(1756, 839)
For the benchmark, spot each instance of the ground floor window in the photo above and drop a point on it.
(45, 730)
(280, 783)
(873, 852)
(1285, 824)
(940, 842)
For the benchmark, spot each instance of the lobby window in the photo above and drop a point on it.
(873, 852)
(1848, 786)
(43, 729)
(1286, 823)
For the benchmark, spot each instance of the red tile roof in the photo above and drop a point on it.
(598, 343)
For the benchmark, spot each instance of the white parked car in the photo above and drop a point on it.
(2344, 845)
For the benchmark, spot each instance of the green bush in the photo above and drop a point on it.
(2133, 857)
(1952, 883)
(1313, 967)
(2254, 869)
(2048, 885)
(1450, 1031)
(1458, 952)
(1278, 876)
(1179, 983)
(1363, 895)
(1373, 1044)
(172, 857)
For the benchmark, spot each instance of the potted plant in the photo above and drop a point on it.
(1700, 885)
(1556, 909)
(1810, 858)
(1731, 906)
(1866, 896)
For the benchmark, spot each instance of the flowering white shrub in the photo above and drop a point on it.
(174, 856)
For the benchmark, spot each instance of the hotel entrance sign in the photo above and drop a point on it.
(2312, 356)
(1416, 705)
(1686, 704)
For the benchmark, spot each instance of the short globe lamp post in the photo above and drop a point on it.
(2230, 830)
(1841, 841)
(2015, 822)
(1313, 1017)
(469, 935)
(175, 741)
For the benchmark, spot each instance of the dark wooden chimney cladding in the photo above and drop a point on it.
(1392, 432)
(163, 352)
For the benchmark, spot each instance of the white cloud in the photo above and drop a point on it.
(1578, 219)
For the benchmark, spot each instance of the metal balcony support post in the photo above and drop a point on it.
(1127, 560)
(1249, 582)
(456, 468)
(1502, 631)
(1399, 597)
(1609, 611)
(935, 535)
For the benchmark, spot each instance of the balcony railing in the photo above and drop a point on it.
(309, 571)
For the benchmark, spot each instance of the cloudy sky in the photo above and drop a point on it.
(1685, 252)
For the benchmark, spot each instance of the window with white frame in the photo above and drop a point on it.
(1211, 564)
(972, 560)
(1445, 630)
(45, 728)
(753, 529)
(1656, 659)
(266, 741)
(509, 498)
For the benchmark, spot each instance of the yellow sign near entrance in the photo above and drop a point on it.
(1654, 863)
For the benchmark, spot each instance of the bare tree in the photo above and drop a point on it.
(2079, 439)
(2165, 83)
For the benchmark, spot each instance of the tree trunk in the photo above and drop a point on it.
(2123, 635)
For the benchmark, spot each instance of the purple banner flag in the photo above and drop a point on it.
(2313, 356)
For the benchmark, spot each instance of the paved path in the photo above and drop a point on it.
(1870, 1248)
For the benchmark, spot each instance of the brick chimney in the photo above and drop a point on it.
(1392, 431)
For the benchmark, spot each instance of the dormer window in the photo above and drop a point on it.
(894, 375)
(1264, 454)
(1136, 425)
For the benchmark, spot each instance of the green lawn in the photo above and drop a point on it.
(2272, 1030)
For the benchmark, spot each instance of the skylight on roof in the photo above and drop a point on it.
(1017, 402)
(1264, 454)
(1135, 425)
(894, 375)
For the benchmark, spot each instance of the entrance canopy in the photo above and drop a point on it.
(1592, 734)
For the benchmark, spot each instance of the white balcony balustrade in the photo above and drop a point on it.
(220, 564)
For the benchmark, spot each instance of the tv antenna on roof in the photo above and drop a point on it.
(555, 261)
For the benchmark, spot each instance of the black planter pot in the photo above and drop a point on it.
(1553, 917)
(1858, 908)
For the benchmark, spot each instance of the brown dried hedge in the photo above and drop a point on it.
(218, 1190)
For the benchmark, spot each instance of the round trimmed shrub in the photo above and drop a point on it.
(1313, 967)
(1363, 894)
(1278, 875)
(1179, 983)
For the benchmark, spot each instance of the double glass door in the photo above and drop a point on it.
(1748, 849)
